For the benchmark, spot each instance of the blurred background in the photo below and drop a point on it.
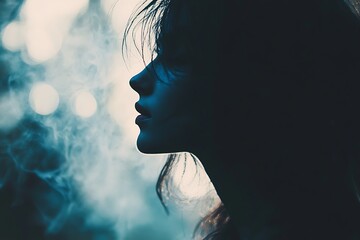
(69, 167)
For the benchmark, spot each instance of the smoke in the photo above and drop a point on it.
(69, 164)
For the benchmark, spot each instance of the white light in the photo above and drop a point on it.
(43, 98)
(42, 46)
(54, 8)
(12, 36)
(85, 104)
(11, 112)
(45, 30)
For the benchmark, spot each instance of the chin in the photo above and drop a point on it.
(151, 146)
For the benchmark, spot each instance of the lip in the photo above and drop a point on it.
(143, 111)
(141, 119)
(144, 114)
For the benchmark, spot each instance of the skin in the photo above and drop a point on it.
(179, 104)
(175, 124)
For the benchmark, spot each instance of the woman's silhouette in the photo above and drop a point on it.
(266, 95)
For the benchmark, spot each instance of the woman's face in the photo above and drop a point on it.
(171, 104)
(168, 110)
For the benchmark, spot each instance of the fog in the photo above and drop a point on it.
(70, 168)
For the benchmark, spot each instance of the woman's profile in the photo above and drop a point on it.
(266, 95)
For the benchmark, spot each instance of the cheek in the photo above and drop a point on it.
(176, 111)
(174, 114)
(172, 100)
(175, 124)
(180, 120)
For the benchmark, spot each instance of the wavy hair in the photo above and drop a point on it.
(150, 17)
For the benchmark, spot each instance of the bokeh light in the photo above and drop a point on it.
(43, 98)
(12, 36)
(42, 46)
(85, 104)
(34, 32)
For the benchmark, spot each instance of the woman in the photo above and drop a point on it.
(265, 94)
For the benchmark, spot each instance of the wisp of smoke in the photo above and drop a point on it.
(69, 165)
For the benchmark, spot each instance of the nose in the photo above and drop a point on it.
(142, 82)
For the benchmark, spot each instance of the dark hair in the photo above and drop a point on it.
(335, 119)
(152, 16)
